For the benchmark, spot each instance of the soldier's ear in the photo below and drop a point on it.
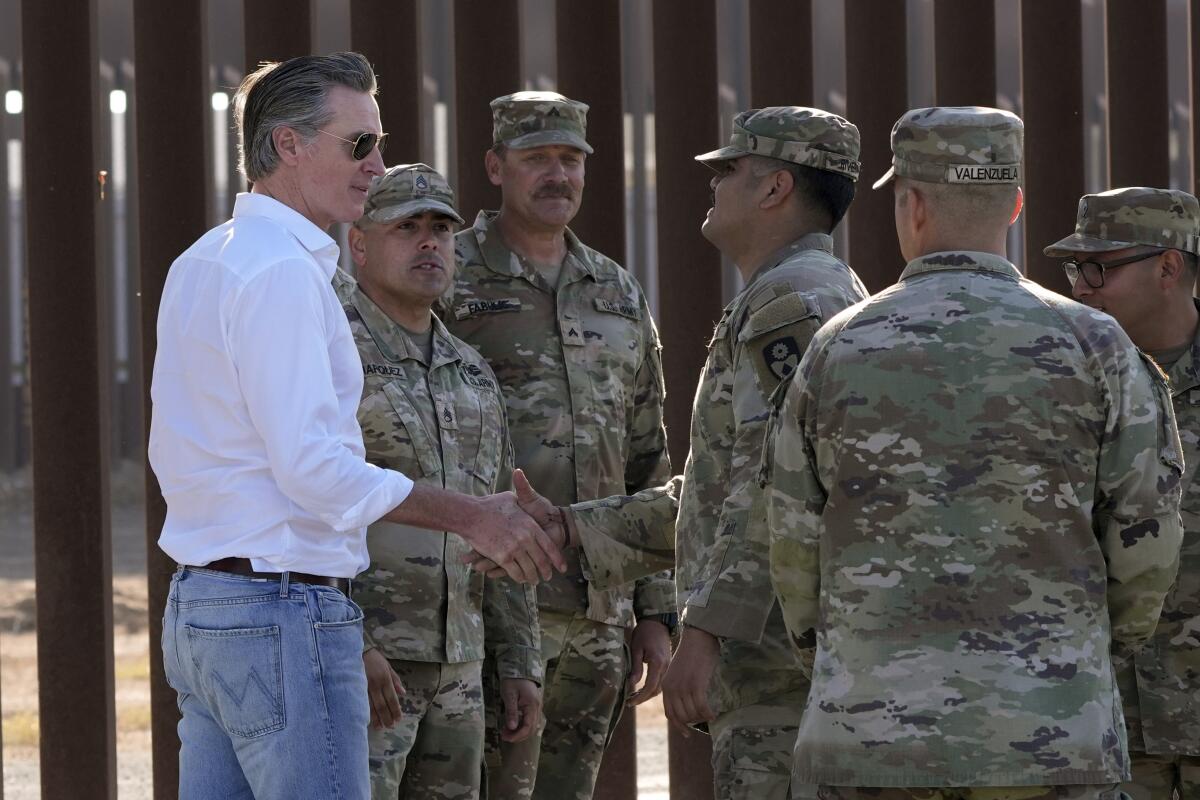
(779, 188)
(1017, 206)
(1173, 270)
(358, 245)
(491, 163)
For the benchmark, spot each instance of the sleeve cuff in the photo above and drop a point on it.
(515, 661)
(741, 623)
(393, 489)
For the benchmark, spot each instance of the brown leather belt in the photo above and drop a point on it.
(242, 566)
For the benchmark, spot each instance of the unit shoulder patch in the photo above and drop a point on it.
(776, 336)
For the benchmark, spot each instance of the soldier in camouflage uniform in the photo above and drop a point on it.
(782, 185)
(1133, 255)
(974, 495)
(432, 408)
(570, 337)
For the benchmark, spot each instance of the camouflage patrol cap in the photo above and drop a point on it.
(965, 145)
(806, 136)
(1135, 215)
(406, 190)
(532, 119)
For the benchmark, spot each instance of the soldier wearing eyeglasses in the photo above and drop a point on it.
(1134, 255)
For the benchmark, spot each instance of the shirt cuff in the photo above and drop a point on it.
(392, 490)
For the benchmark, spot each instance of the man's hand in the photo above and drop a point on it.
(495, 526)
(384, 689)
(541, 510)
(506, 535)
(685, 689)
(522, 708)
(544, 513)
(651, 645)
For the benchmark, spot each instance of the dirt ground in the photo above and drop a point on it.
(131, 651)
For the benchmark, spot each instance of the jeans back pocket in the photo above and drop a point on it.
(240, 672)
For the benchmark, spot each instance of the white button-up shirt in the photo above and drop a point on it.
(256, 384)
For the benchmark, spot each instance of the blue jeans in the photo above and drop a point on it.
(271, 687)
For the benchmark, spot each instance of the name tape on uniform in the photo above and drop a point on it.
(981, 173)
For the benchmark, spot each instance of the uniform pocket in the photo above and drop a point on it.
(761, 762)
(241, 676)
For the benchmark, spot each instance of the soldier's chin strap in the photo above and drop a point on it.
(1019, 205)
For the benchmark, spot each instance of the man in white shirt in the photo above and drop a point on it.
(260, 458)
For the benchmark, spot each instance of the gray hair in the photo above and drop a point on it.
(292, 94)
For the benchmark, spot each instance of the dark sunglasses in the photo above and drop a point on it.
(1093, 271)
(364, 144)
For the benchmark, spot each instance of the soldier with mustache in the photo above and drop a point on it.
(570, 337)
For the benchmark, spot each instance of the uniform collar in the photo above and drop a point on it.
(312, 238)
(393, 342)
(809, 241)
(1185, 373)
(960, 260)
(499, 259)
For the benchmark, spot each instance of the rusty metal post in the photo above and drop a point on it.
(588, 38)
(589, 69)
(689, 268)
(964, 42)
(781, 69)
(69, 369)
(1052, 88)
(387, 33)
(1138, 98)
(487, 64)
(876, 92)
(170, 68)
(276, 30)
(1194, 75)
(10, 403)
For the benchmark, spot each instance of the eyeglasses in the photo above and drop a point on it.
(364, 144)
(1093, 271)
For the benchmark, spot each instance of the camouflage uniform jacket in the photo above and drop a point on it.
(1162, 703)
(722, 568)
(441, 424)
(975, 493)
(582, 378)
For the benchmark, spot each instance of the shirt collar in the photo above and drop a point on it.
(809, 241)
(500, 259)
(394, 343)
(312, 238)
(961, 260)
(1184, 374)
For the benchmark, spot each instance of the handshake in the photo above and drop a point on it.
(519, 534)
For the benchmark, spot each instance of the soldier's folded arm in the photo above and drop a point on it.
(1138, 498)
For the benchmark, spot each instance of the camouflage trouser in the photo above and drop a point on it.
(1161, 777)
(1110, 791)
(436, 749)
(586, 664)
(752, 751)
